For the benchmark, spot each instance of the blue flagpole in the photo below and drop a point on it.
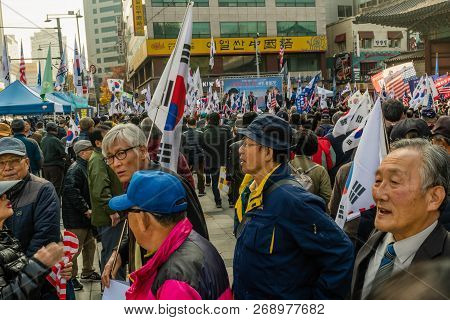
(437, 64)
(39, 81)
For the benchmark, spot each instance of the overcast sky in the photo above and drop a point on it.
(32, 13)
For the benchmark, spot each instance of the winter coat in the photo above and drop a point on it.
(36, 219)
(34, 153)
(75, 196)
(216, 142)
(192, 142)
(287, 246)
(20, 277)
(53, 150)
(103, 185)
(185, 267)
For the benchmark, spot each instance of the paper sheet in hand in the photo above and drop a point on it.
(116, 290)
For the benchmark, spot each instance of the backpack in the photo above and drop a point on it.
(303, 178)
(324, 154)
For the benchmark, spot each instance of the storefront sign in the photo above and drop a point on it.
(164, 47)
(380, 43)
(343, 67)
(138, 18)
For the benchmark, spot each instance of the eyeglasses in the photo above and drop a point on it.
(119, 155)
(15, 162)
(124, 214)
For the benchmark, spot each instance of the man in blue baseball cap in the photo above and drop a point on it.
(182, 264)
(287, 246)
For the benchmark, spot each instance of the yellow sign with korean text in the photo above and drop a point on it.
(224, 46)
(138, 18)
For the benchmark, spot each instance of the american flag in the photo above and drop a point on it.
(273, 102)
(71, 244)
(398, 82)
(405, 99)
(281, 54)
(23, 77)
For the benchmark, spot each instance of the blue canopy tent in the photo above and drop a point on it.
(18, 99)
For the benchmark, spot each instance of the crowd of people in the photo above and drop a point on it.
(286, 173)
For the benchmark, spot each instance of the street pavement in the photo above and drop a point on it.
(220, 228)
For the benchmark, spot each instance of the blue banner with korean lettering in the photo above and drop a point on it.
(259, 87)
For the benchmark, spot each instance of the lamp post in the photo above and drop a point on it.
(256, 54)
(69, 14)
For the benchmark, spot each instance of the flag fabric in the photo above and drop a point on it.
(346, 89)
(357, 195)
(405, 99)
(398, 81)
(83, 60)
(281, 55)
(198, 87)
(77, 81)
(115, 85)
(91, 81)
(148, 98)
(167, 105)
(47, 81)
(244, 102)
(353, 139)
(354, 117)
(72, 132)
(6, 77)
(39, 77)
(62, 72)
(212, 52)
(70, 242)
(430, 93)
(418, 94)
(273, 101)
(334, 87)
(23, 77)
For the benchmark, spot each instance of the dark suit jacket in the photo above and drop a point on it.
(436, 245)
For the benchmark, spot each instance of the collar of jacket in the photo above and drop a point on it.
(173, 241)
(81, 161)
(256, 196)
(18, 187)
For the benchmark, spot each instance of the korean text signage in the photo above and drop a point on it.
(343, 67)
(164, 47)
(138, 18)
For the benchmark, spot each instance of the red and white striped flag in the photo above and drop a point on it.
(23, 77)
(70, 242)
(281, 54)
(273, 102)
(398, 82)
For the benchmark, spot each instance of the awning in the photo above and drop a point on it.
(340, 38)
(366, 34)
(394, 35)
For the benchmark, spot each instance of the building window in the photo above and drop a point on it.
(108, 19)
(243, 29)
(96, 31)
(109, 39)
(365, 68)
(109, 29)
(178, 3)
(365, 43)
(109, 49)
(394, 43)
(99, 70)
(296, 28)
(170, 30)
(97, 41)
(97, 50)
(99, 60)
(108, 69)
(303, 62)
(345, 11)
(94, 1)
(295, 3)
(342, 46)
(95, 21)
(115, 9)
(94, 11)
(242, 3)
(111, 59)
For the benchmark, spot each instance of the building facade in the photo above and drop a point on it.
(235, 25)
(103, 22)
(357, 50)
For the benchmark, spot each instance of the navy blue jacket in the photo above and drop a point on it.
(36, 219)
(34, 152)
(290, 248)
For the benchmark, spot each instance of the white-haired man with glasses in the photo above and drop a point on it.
(125, 150)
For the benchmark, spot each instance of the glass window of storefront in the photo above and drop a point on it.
(296, 28)
(243, 29)
(295, 3)
(242, 3)
(170, 30)
(303, 62)
(178, 3)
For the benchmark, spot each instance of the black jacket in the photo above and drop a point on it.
(436, 246)
(53, 150)
(216, 142)
(75, 196)
(192, 141)
(36, 219)
(20, 277)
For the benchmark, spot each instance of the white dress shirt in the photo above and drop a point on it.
(405, 251)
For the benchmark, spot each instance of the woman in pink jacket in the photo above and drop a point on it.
(183, 265)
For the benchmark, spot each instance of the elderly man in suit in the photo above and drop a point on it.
(410, 191)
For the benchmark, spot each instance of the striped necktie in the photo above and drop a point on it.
(386, 265)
